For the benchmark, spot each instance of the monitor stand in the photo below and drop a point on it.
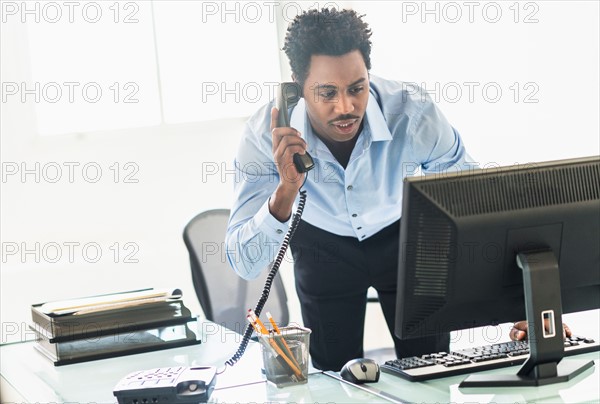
(541, 284)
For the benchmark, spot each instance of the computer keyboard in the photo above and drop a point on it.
(466, 361)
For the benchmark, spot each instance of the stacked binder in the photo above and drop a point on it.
(98, 327)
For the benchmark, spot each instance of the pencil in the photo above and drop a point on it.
(257, 320)
(278, 331)
(260, 328)
(257, 327)
(262, 340)
(294, 368)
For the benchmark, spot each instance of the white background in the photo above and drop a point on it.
(542, 55)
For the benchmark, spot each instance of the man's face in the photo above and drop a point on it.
(336, 92)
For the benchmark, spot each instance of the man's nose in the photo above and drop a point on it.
(344, 105)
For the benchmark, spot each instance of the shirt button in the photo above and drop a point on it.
(358, 228)
(354, 215)
(363, 236)
(349, 187)
(279, 231)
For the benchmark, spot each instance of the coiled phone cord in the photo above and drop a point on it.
(269, 282)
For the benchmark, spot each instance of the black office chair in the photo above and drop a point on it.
(224, 296)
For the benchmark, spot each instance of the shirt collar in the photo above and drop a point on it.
(374, 124)
(376, 121)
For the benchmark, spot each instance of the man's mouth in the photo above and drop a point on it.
(345, 126)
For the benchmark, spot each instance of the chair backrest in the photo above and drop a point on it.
(224, 296)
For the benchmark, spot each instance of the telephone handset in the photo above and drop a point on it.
(288, 95)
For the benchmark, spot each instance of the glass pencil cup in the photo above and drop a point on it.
(285, 355)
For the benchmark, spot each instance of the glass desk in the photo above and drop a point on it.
(34, 379)
(585, 388)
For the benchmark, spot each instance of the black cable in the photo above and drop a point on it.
(269, 282)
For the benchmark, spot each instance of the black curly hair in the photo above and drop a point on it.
(326, 32)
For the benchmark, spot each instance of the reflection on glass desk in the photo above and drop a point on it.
(582, 389)
(35, 379)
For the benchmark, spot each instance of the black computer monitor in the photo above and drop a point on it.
(489, 246)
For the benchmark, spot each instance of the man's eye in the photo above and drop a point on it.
(357, 90)
(328, 94)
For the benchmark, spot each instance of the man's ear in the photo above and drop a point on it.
(296, 81)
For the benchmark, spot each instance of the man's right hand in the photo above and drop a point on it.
(286, 143)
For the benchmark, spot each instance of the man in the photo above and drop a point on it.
(365, 134)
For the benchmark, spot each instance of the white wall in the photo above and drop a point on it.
(464, 52)
(169, 184)
(558, 55)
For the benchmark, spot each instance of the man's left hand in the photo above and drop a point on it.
(519, 331)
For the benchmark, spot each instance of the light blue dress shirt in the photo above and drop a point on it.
(403, 134)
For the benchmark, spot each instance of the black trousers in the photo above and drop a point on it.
(332, 275)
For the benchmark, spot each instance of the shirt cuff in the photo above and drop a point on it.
(269, 225)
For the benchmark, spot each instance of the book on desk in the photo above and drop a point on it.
(124, 323)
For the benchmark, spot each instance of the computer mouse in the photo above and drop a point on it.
(361, 370)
